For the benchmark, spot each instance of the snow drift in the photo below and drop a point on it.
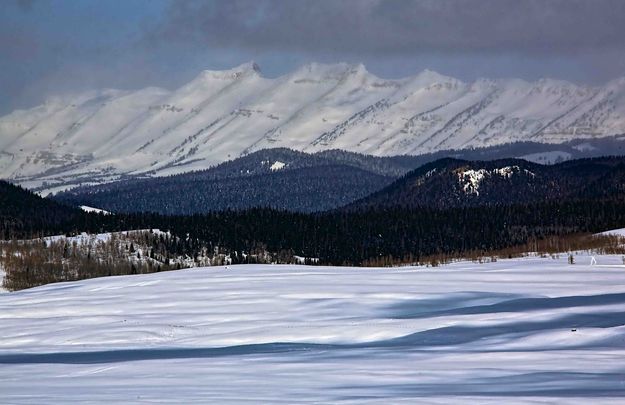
(523, 330)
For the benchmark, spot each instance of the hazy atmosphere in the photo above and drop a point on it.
(50, 47)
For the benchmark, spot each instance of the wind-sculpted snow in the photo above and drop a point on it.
(220, 115)
(529, 330)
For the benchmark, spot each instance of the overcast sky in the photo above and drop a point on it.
(51, 47)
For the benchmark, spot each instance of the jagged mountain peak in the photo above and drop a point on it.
(559, 87)
(335, 71)
(76, 98)
(551, 82)
(244, 70)
(101, 135)
(433, 76)
(617, 83)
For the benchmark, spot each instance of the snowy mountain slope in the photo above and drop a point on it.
(530, 330)
(221, 115)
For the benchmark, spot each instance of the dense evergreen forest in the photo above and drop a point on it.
(25, 214)
(277, 178)
(448, 183)
(296, 181)
(339, 238)
(306, 189)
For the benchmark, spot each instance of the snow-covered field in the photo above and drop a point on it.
(534, 330)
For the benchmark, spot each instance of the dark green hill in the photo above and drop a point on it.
(453, 183)
(25, 213)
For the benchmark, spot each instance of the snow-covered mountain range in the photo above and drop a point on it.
(221, 115)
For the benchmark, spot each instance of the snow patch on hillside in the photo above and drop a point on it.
(430, 173)
(614, 232)
(547, 158)
(470, 179)
(277, 165)
(584, 147)
(91, 238)
(95, 210)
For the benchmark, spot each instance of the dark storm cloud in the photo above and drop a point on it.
(401, 26)
(25, 5)
(51, 47)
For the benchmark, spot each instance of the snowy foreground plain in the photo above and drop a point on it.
(531, 330)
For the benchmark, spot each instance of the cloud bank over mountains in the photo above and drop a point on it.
(49, 48)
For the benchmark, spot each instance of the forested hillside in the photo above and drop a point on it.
(445, 208)
(395, 234)
(25, 213)
(306, 189)
(449, 183)
(285, 179)
(276, 178)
